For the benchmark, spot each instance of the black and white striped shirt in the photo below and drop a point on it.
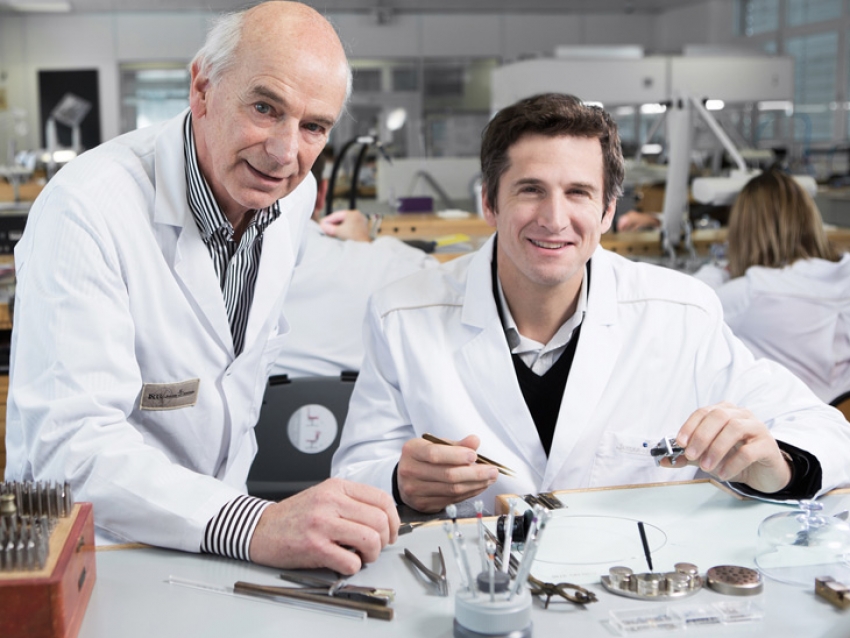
(230, 531)
(236, 264)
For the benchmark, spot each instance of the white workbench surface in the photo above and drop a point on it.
(694, 522)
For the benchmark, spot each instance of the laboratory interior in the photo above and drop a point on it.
(707, 95)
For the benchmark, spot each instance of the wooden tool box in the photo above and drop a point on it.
(51, 602)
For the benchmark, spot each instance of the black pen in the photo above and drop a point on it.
(645, 544)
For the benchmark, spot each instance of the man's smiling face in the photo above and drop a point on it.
(550, 212)
(261, 125)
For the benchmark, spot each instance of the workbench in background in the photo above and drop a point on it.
(429, 226)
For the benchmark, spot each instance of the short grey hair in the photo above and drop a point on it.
(218, 53)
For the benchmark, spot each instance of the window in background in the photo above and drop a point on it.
(444, 80)
(152, 93)
(799, 12)
(757, 16)
(405, 78)
(648, 119)
(816, 33)
(456, 105)
(626, 119)
(770, 46)
(846, 94)
(447, 102)
(815, 70)
(366, 80)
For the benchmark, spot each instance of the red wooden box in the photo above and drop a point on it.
(51, 603)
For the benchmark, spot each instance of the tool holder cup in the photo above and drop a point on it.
(480, 614)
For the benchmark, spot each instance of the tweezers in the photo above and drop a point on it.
(480, 459)
(372, 610)
(338, 588)
(438, 579)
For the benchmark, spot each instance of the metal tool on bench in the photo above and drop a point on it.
(326, 591)
(439, 579)
(28, 513)
(47, 560)
(339, 588)
(568, 591)
(547, 500)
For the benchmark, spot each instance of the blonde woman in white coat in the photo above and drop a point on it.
(786, 291)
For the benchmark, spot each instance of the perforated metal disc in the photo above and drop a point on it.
(734, 580)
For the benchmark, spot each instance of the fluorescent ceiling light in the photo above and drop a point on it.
(629, 52)
(776, 105)
(648, 109)
(714, 105)
(61, 156)
(36, 6)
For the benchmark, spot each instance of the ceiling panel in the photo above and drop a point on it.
(401, 6)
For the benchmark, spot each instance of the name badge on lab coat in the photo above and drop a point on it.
(169, 396)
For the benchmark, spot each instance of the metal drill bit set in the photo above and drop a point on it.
(28, 513)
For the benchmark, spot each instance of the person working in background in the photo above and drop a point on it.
(150, 286)
(565, 362)
(635, 220)
(331, 285)
(786, 291)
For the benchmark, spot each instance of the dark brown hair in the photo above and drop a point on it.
(552, 115)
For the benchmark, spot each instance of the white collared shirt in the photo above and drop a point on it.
(537, 356)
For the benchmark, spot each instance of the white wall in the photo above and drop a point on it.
(710, 22)
(29, 44)
(103, 41)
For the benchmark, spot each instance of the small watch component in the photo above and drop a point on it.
(666, 448)
(546, 499)
(835, 592)
(734, 580)
(683, 582)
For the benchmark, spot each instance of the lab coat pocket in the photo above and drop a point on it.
(624, 458)
(272, 349)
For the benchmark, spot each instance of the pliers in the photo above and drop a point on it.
(438, 579)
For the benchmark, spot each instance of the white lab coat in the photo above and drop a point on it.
(116, 289)
(798, 315)
(653, 348)
(326, 302)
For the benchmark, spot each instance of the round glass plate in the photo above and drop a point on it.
(591, 540)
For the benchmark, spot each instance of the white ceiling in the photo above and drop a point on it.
(345, 6)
